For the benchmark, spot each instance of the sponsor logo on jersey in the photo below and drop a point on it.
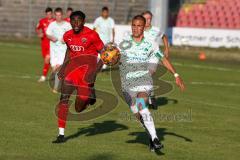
(77, 48)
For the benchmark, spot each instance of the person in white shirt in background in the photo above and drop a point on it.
(58, 48)
(154, 33)
(104, 26)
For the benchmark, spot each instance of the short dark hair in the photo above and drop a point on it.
(48, 9)
(139, 17)
(147, 12)
(78, 13)
(58, 9)
(105, 8)
(69, 9)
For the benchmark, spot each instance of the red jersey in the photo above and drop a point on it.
(86, 42)
(43, 24)
(83, 51)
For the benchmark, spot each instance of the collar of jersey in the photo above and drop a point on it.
(138, 43)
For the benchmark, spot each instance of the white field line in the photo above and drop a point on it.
(18, 45)
(19, 76)
(192, 83)
(210, 104)
(216, 84)
(206, 67)
(231, 84)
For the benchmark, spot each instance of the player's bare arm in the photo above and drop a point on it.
(170, 67)
(166, 46)
(39, 32)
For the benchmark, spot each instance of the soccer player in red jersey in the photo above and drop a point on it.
(79, 69)
(68, 13)
(45, 43)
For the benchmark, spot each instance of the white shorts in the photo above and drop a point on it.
(130, 95)
(57, 54)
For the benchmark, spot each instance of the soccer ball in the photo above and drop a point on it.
(111, 55)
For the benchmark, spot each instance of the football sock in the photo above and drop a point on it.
(62, 115)
(148, 122)
(45, 69)
(61, 131)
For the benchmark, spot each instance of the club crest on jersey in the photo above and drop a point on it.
(77, 48)
(84, 40)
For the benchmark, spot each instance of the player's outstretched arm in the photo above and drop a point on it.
(170, 67)
(166, 46)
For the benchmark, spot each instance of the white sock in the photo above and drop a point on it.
(61, 131)
(148, 122)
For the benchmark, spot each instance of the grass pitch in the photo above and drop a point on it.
(200, 123)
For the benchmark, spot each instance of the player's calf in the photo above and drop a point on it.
(147, 120)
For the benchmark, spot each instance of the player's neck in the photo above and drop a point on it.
(138, 39)
(105, 17)
(59, 22)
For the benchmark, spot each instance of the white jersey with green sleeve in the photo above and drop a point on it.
(57, 49)
(136, 61)
(104, 28)
(154, 34)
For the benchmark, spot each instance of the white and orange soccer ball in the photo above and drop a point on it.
(111, 55)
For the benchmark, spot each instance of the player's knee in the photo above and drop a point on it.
(64, 98)
(143, 95)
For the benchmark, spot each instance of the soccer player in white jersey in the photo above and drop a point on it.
(104, 26)
(139, 58)
(155, 34)
(58, 48)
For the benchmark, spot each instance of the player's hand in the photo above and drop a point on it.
(180, 83)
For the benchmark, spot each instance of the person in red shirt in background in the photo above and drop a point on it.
(68, 13)
(79, 69)
(45, 43)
